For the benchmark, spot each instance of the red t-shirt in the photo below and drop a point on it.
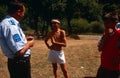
(110, 57)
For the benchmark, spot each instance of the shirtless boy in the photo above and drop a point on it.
(58, 40)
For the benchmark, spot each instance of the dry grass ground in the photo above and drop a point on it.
(82, 59)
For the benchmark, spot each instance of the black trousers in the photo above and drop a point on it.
(105, 73)
(19, 67)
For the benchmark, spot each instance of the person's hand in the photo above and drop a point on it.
(100, 48)
(30, 40)
(31, 43)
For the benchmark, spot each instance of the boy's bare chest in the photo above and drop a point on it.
(57, 35)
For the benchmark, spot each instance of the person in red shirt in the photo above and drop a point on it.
(109, 45)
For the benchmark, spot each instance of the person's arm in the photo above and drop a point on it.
(26, 47)
(46, 40)
(63, 37)
(99, 45)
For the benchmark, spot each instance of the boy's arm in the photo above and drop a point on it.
(46, 40)
(63, 42)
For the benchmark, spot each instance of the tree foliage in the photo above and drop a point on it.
(40, 12)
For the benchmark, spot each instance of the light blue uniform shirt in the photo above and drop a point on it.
(12, 38)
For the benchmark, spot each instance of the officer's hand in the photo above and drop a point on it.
(30, 40)
(31, 43)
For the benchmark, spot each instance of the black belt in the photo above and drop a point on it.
(20, 59)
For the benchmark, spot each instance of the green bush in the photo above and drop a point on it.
(79, 26)
(96, 27)
(83, 26)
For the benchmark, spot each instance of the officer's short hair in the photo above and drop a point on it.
(14, 7)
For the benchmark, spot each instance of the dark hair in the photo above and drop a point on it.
(14, 7)
(112, 16)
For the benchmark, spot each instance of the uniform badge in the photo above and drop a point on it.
(16, 38)
(12, 22)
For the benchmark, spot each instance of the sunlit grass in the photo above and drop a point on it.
(82, 59)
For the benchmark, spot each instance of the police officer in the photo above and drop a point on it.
(13, 42)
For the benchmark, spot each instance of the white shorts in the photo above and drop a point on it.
(56, 57)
